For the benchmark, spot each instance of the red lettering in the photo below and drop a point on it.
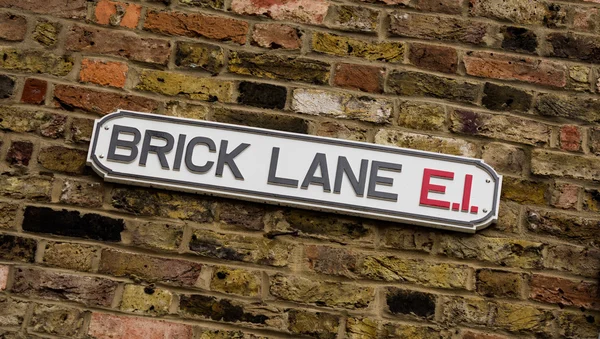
(427, 187)
(467, 193)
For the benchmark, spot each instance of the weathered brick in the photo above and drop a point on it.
(121, 14)
(25, 121)
(196, 25)
(447, 6)
(407, 238)
(504, 158)
(154, 235)
(525, 191)
(255, 119)
(163, 204)
(38, 188)
(500, 127)
(72, 224)
(354, 18)
(244, 216)
(565, 165)
(422, 84)
(240, 248)
(519, 318)
(406, 302)
(585, 19)
(62, 159)
(211, 333)
(236, 281)
(340, 262)
(315, 324)
(46, 32)
(594, 140)
(579, 78)
(509, 218)
(570, 138)
(17, 249)
(216, 4)
(361, 328)
(334, 129)
(203, 56)
(565, 196)
(562, 291)
(279, 67)
(12, 27)
(433, 27)
(146, 300)
(55, 319)
(573, 46)
(495, 283)
(346, 46)
(341, 105)
(219, 309)
(81, 130)
(499, 251)
(92, 291)
(359, 77)
(73, 9)
(103, 73)
(506, 67)
(100, 102)
(199, 88)
(581, 230)
(4, 271)
(118, 43)
(426, 142)
(147, 268)
(34, 91)
(388, 2)
(186, 110)
(469, 310)
(578, 260)
(121, 327)
(276, 36)
(262, 95)
(33, 61)
(7, 86)
(19, 153)
(572, 107)
(578, 325)
(591, 200)
(12, 312)
(331, 294)
(394, 330)
(505, 98)
(82, 193)
(534, 12)
(433, 58)
(479, 335)
(519, 39)
(70, 256)
(305, 11)
(8, 212)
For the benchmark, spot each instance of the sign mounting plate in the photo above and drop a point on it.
(346, 177)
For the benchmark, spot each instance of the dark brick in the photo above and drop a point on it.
(19, 153)
(17, 249)
(325, 226)
(7, 86)
(218, 309)
(34, 91)
(262, 95)
(571, 46)
(505, 98)
(72, 224)
(519, 39)
(271, 121)
(410, 302)
(572, 107)
(245, 215)
(429, 85)
(435, 58)
(202, 56)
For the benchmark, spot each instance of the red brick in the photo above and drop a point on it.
(19, 153)
(117, 13)
(100, 102)
(276, 36)
(570, 138)
(3, 277)
(306, 11)
(34, 91)
(565, 196)
(105, 73)
(505, 67)
(364, 78)
(124, 44)
(107, 326)
(435, 58)
(564, 292)
(197, 25)
(12, 27)
(74, 9)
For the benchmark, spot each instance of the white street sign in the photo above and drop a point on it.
(281, 168)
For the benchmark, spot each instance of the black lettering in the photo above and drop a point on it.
(179, 152)
(320, 160)
(273, 178)
(375, 179)
(228, 158)
(158, 150)
(189, 152)
(357, 184)
(116, 143)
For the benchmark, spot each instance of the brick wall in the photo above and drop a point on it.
(515, 82)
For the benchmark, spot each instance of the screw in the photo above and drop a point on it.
(485, 210)
(488, 180)
(101, 156)
(106, 128)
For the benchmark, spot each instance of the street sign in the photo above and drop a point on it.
(346, 177)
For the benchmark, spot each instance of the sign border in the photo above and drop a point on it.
(435, 222)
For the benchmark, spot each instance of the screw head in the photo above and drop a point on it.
(488, 180)
(106, 128)
(485, 210)
(101, 156)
